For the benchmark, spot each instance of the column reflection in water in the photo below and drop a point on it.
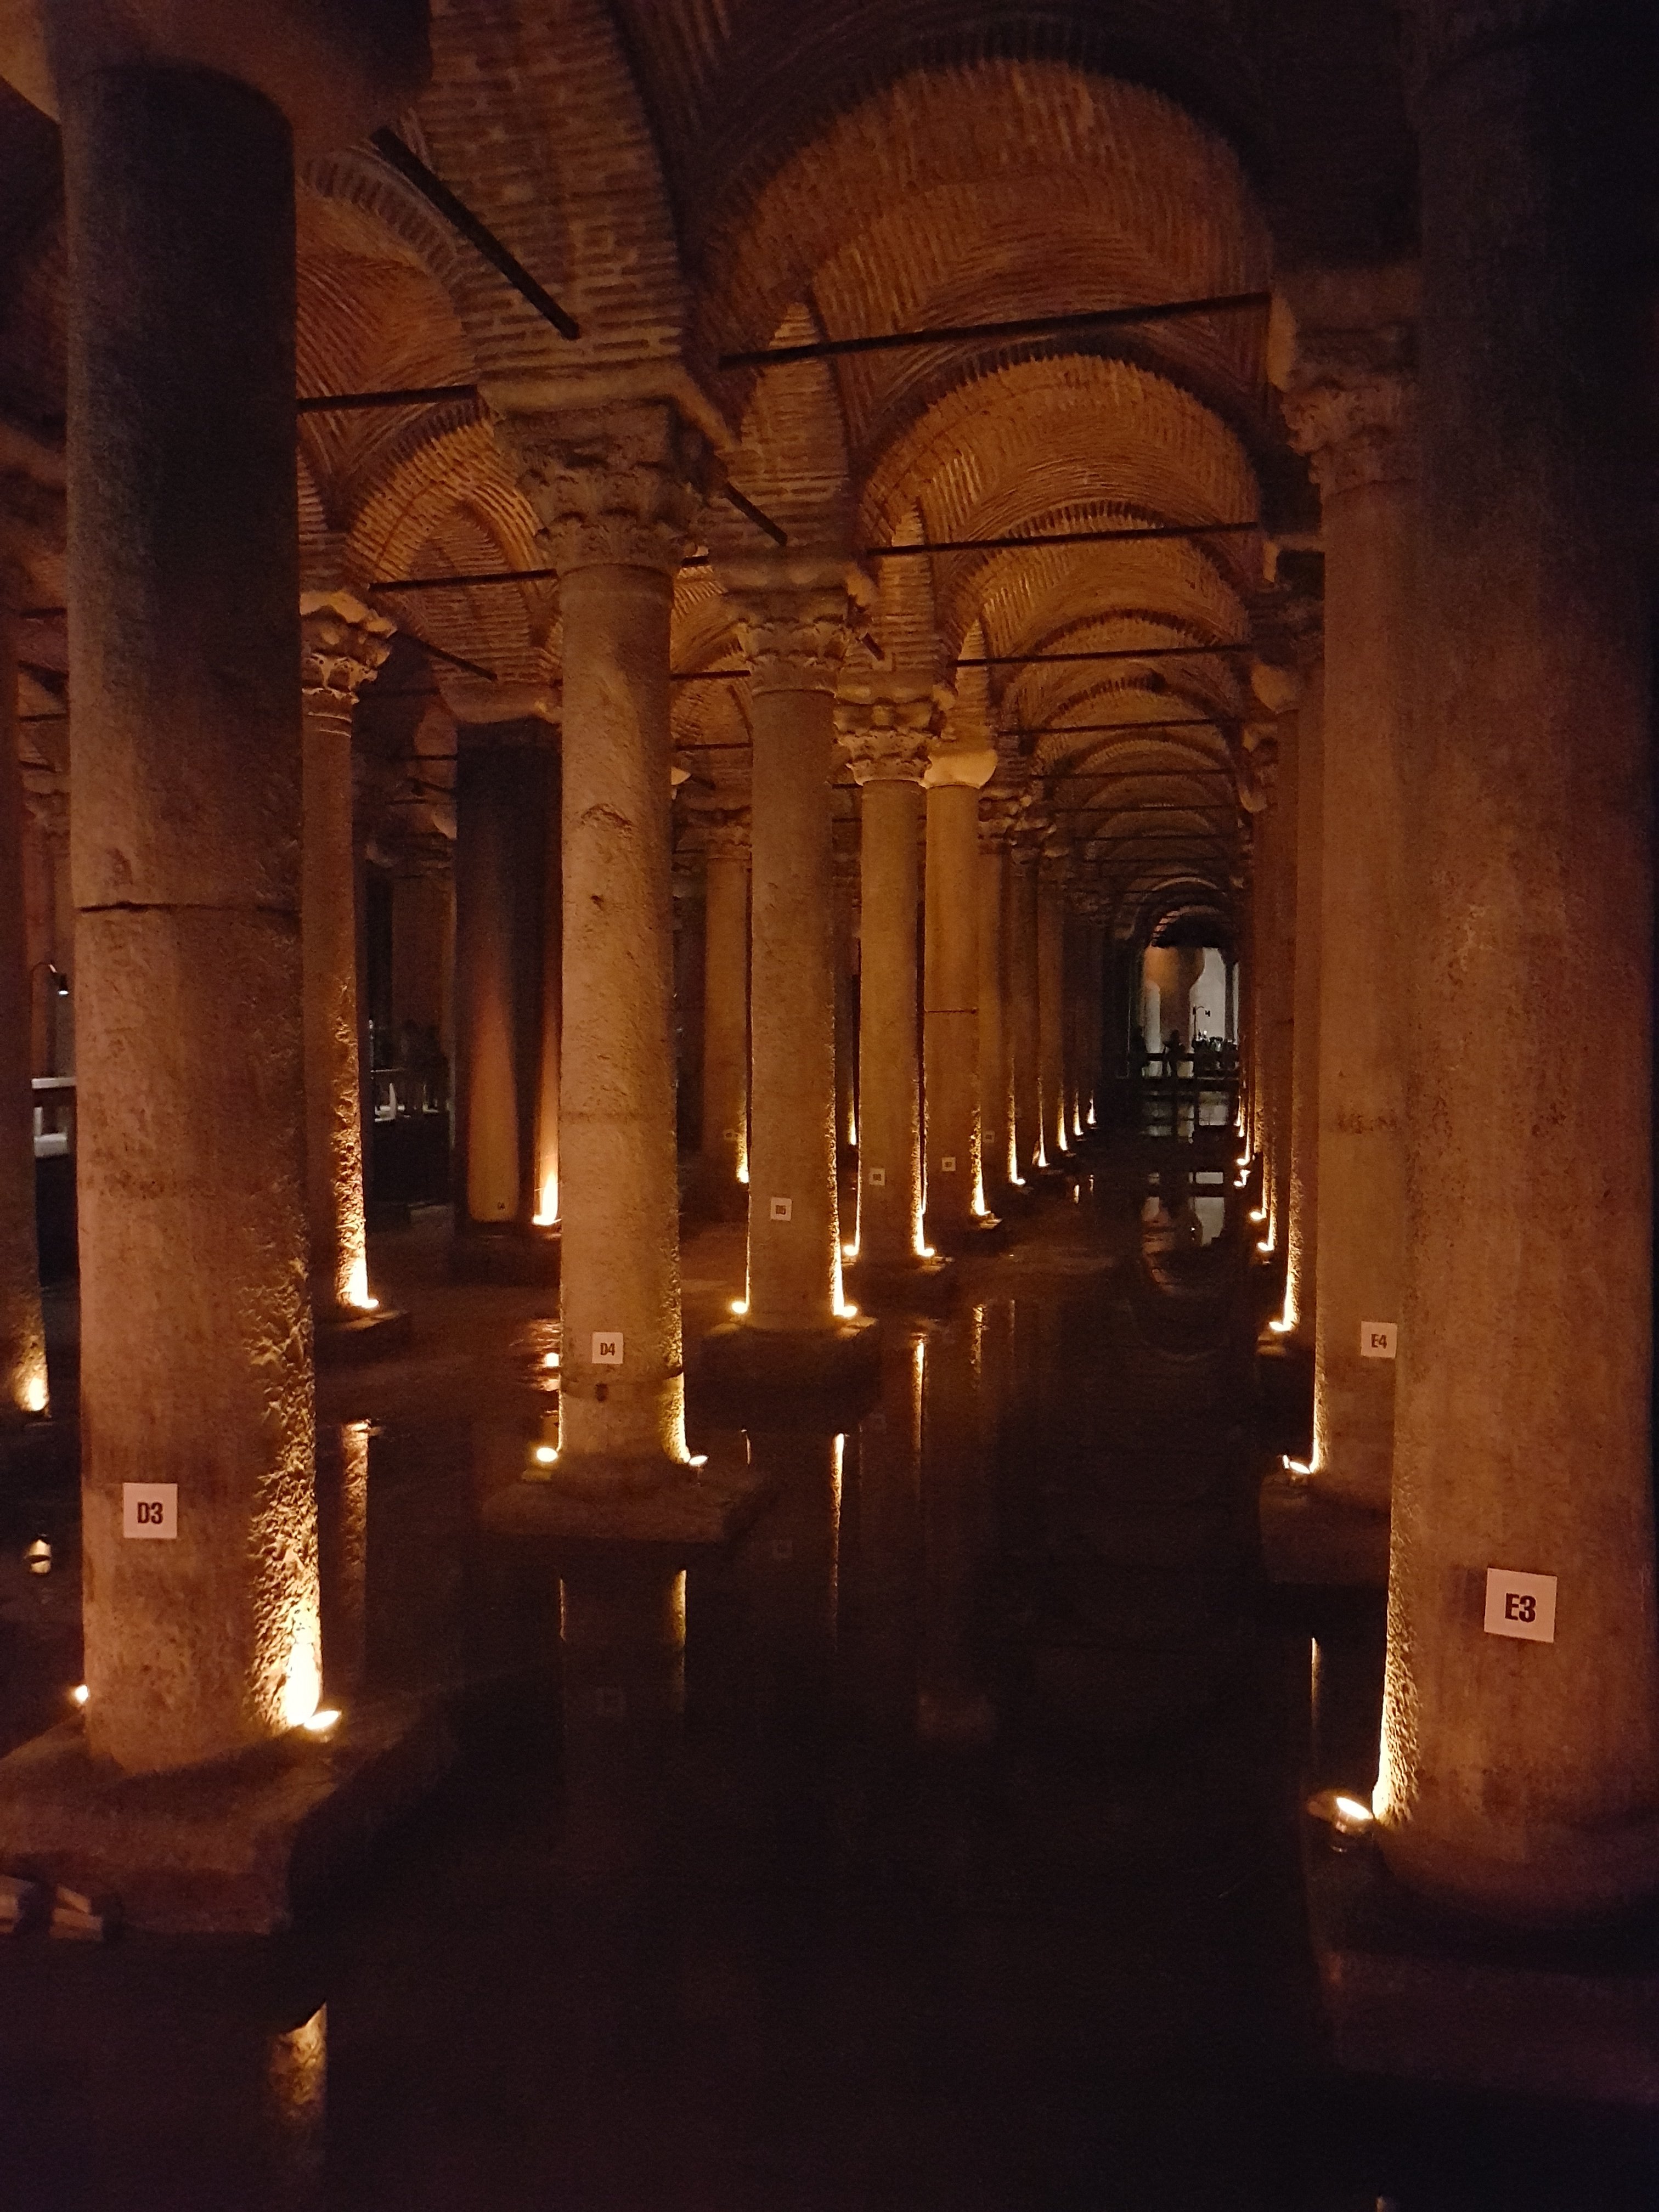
(881, 1547)
(952, 1704)
(790, 1573)
(342, 1555)
(622, 1630)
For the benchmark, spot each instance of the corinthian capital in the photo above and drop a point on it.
(343, 644)
(1342, 349)
(795, 617)
(888, 739)
(618, 485)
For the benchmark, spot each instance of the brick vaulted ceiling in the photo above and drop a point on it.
(694, 178)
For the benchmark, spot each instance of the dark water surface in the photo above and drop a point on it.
(958, 1866)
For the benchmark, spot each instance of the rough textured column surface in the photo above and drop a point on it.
(1350, 404)
(1023, 863)
(798, 636)
(1054, 1138)
(185, 652)
(888, 747)
(614, 489)
(726, 1004)
(999, 1164)
(955, 1184)
(1278, 981)
(343, 644)
(1523, 1777)
(1301, 1273)
(22, 1340)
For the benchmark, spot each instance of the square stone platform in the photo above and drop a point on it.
(695, 1509)
(236, 1848)
(1414, 1995)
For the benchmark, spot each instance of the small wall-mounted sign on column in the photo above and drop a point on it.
(948, 1164)
(150, 1509)
(783, 1209)
(1520, 1605)
(878, 1178)
(607, 1347)
(1378, 1339)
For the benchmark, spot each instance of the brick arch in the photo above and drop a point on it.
(534, 116)
(793, 456)
(977, 190)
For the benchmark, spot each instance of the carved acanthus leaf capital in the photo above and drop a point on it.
(887, 740)
(342, 645)
(727, 836)
(1342, 348)
(614, 486)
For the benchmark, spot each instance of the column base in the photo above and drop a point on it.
(236, 1848)
(1413, 1996)
(760, 1363)
(350, 1340)
(605, 1503)
(986, 1234)
(514, 1259)
(913, 1286)
(1310, 1537)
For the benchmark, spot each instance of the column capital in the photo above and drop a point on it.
(887, 740)
(1342, 349)
(727, 836)
(342, 645)
(795, 615)
(960, 761)
(613, 485)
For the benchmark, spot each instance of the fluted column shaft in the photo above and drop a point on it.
(343, 644)
(888, 746)
(1351, 404)
(616, 489)
(1523, 1777)
(22, 1338)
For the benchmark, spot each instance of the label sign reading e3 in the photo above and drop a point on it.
(150, 1509)
(1378, 1339)
(1520, 1605)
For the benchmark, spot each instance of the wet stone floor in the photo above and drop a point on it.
(956, 1864)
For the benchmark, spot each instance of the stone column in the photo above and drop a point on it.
(726, 1012)
(952, 968)
(1302, 1251)
(1025, 853)
(22, 1338)
(616, 489)
(196, 1376)
(999, 1161)
(796, 1326)
(886, 740)
(1344, 344)
(342, 645)
(423, 937)
(1054, 1138)
(1521, 1777)
(1279, 979)
(846, 958)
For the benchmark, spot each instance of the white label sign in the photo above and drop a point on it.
(783, 1209)
(607, 1347)
(1520, 1605)
(948, 1164)
(878, 1178)
(1378, 1339)
(150, 1509)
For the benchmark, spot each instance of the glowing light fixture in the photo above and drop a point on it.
(844, 1312)
(547, 1212)
(551, 1360)
(739, 1305)
(849, 1251)
(302, 1687)
(698, 1459)
(80, 1693)
(743, 1172)
(323, 1721)
(37, 1556)
(1258, 1213)
(1298, 1467)
(1283, 1326)
(1265, 1247)
(544, 1455)
(1350, 1815)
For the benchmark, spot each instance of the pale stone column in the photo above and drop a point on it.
(950, 992)
(1025, 851)
(726, 1010)
(423, 936)
(846, 956)
(796, 1326)
(22, 1337)
(1521, 1779)
(183, 567)
(343, 644)
(1344, 345)
(886, 741)
(1302, 1270)
(1053, 877)
(1279, 980)
(1000, 1164)
(616, 489)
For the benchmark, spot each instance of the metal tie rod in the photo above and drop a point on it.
(1036, 326)
(455, 212)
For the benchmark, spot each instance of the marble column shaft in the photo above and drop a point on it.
(1024, 860)
(725, 1001)
(951, 1021)
(1301, 1272)
(22, 1338)
(999, 1166)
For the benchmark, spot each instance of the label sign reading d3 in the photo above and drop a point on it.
(1378, 1339)
(1520, 1605)
(607, 1347)
(150, 1509)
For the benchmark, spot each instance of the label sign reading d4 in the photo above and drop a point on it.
(607, 1347)
(1378, 1339)
(150, 1508)
(1520, 1605)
